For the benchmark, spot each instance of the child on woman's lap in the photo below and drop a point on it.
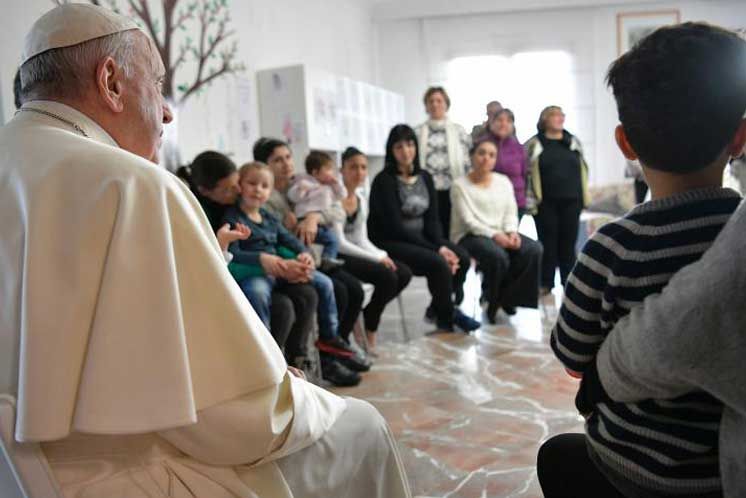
(316, 191)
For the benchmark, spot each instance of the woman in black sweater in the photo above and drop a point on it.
(404, 222)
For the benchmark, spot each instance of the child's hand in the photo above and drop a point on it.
(226, 235)
(306, 259)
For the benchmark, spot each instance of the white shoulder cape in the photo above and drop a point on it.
(118, 315)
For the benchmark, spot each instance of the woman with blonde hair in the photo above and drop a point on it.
(558, 184)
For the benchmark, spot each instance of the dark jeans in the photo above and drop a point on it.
(641, 190)
(259, 291)
(429, 264)
(291, 317)
(557, 224)
(328, 239)
(304, 301)
(566, 470)
(388, 284)
(348, 292)
(444, 211)
(510, 278)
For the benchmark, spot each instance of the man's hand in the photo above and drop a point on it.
(226, 235)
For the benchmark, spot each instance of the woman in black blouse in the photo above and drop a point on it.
(559, 186)
(404, 222)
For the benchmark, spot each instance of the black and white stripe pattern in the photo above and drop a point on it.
(669, 446)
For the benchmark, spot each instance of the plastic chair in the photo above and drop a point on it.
(24, 471)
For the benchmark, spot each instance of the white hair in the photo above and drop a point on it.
(66, 72)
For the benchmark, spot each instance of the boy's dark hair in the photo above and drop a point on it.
(400, 133)
(265, 147)
(437, 89)
(316, 160)
(681, 95)
(351, 152)
(207, 169)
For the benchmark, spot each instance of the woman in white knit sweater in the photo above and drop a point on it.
(485, 222)
(362, 258)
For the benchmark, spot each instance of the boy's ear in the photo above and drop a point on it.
(623, 143)
(735, 149)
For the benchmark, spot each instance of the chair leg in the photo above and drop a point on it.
(403, 318)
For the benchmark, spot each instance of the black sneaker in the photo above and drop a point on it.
(356, 363)
(338, 374)
(510, 310)
(465, 323)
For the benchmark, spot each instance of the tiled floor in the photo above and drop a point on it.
(470, 411)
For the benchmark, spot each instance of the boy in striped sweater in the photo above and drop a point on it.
(681, 95)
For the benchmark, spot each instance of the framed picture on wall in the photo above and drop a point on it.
(631, 27)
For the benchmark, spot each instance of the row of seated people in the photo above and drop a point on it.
(267, 219)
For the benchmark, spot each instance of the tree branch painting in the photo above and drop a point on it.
(214, 52)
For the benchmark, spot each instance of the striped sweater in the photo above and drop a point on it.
(668, 446)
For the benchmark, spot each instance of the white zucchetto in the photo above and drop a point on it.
(71, 24)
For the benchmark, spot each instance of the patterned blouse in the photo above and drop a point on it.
(437, 161)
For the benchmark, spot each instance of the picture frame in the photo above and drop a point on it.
(634, 26)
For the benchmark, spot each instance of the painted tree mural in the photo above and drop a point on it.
(212, 49)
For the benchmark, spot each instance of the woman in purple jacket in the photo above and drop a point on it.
(512, 160)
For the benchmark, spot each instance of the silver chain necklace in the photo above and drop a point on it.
(55, 116)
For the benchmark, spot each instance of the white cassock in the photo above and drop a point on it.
(135, 359)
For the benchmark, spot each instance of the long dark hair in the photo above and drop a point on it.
(207, 169)
(265, 147)
(401, 133)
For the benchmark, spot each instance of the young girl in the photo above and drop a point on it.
(269, 239)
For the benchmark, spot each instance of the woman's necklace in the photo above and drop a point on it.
(55, 116)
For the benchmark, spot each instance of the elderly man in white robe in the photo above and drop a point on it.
(136, 362)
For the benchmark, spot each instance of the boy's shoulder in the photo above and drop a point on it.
(669, 220)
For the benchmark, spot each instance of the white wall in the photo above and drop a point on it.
(335, 35)
(413, 53)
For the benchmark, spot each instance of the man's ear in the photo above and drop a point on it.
(110, 84)
(623, 143)
(735, 148)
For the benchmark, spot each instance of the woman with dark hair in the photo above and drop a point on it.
(512, 160)
(348, 291)
(404, 221)
(362, 258)
(485, 223)
(213, 178)
(444, 150)
(559, 185)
